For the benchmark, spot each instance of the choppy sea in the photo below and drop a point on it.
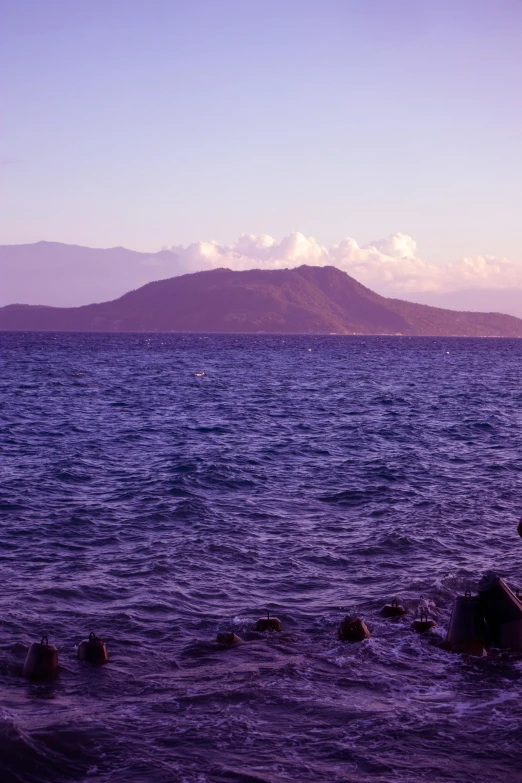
(159, 489)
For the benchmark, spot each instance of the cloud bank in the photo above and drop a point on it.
(389, 266)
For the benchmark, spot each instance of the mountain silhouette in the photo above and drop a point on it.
(307, 299)
(71, 275)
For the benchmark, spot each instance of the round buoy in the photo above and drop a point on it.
(519, 528)
(466, 630)
(269, 624)
(93, 650)
(228, 639)
(395, 609)
(423, 623)
(353, 629)
(41, 661)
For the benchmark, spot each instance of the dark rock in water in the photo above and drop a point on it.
(519, 528)
(395, 609)
(466, 630)
(228, 639)
(423, 623)
(41, 661)
(269, 624)
(353, 629)
(93, 650)
(502, 612)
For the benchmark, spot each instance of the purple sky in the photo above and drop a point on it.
(165, 123)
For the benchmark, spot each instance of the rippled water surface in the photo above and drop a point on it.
(312, 476)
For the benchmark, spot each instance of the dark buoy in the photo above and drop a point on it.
(228, 639)
(395, 609)
(269, 623)
(466, 630)
(93, 650)
(423, 623)
(502, 612)
(353, 629)
(519, 528)
(41, 661)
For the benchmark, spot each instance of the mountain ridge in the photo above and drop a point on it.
(305, 299)
(64, 275)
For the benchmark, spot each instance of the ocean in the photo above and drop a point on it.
(158, 489)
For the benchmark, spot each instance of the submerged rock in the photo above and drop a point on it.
(228, 639)
(502, 612)
(353, 629)
(423, 623)
(395, 609)
(93, 650)
(269, 624)
(466, 630)
(41, 661)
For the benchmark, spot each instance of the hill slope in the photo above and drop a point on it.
(306, 299)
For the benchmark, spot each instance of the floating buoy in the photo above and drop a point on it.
(519, 528)
(228, 639)
(395, 609)
(502, 612)
(41, 661)
(93, 650)
(466, 630)
(353, 629)
(423, 623)
(268, 624)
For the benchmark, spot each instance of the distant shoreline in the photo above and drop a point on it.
(266, 334)
(302, 300)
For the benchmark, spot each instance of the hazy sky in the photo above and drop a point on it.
(165, 122)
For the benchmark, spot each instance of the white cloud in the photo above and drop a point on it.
(389, 266)
(397, 246)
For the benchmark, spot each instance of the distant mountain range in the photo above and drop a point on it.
(52, 273)
(485, 300)
(307, 299)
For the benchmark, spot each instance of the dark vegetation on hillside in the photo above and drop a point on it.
(303, 300)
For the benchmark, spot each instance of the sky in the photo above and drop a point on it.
(178, 123)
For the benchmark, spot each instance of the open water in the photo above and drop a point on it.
(313, 476)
